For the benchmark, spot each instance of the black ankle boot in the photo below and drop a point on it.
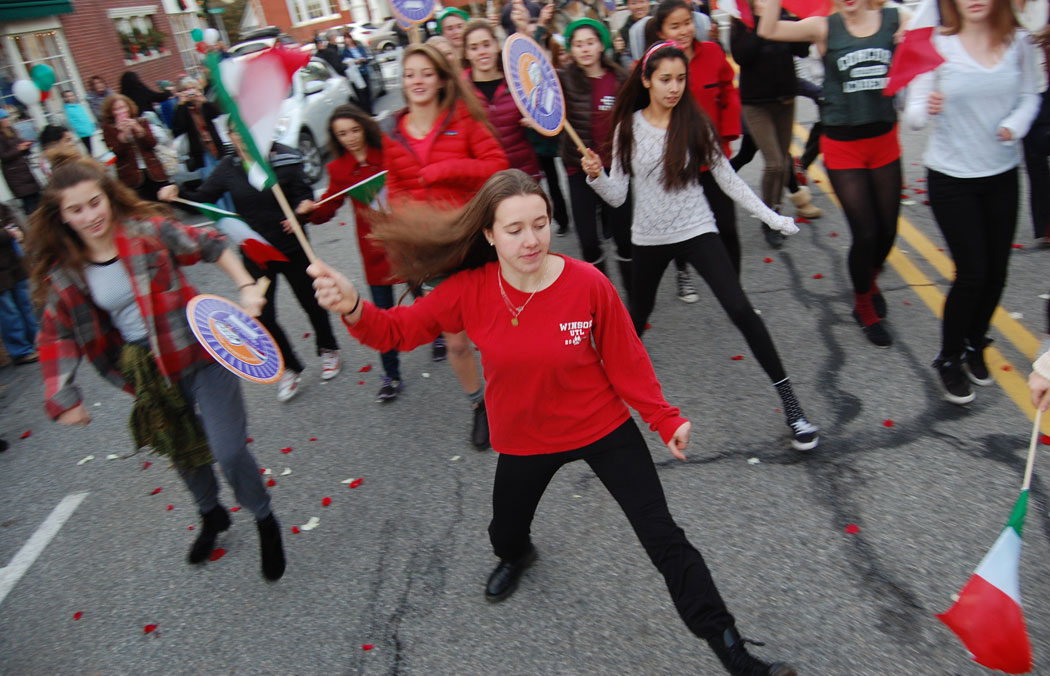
(271, 548)
(479, 432)
(212, 523)
(733, 653)
(504, 578)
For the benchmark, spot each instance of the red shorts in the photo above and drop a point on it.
(865, 153)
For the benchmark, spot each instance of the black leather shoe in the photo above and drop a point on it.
(212, 523)
(479, 435)
(732, 652)
(270, 548)
(504, 578)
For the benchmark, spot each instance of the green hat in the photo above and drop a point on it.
(598, 27)
(448, 11)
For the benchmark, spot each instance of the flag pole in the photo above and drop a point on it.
(200, 205)
(1031, 450)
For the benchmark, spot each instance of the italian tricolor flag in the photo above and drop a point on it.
(988, 616)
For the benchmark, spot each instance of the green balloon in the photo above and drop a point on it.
(43, 76)
(197, 34)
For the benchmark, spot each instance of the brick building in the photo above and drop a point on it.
(303, 19)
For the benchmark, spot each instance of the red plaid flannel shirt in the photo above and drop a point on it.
(73, 327)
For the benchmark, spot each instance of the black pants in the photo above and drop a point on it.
(1038, 186)
(708, 256)
(364, 96)
(86, 140)
(149, 188)
(724, 209)
(303, 288)
(978, 217)
(622, 462)
(615, 223)
(550, 171)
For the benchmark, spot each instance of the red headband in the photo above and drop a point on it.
(658, 45)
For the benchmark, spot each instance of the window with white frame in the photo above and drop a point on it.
(39, 47)
(305, 11)
(139, 37)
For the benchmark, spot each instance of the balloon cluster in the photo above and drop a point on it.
(37, 89)
(204, 38)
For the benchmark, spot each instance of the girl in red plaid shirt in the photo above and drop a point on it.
(106, 272)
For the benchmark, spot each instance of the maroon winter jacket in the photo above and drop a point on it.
(506, 118)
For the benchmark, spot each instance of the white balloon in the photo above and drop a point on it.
(26, 92)
(211, 36)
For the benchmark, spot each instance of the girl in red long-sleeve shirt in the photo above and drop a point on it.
(562, 362)
(439, 150)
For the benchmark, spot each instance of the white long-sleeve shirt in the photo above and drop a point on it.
(977, 102)
(662, 217)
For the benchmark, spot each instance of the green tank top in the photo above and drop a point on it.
(855, 71)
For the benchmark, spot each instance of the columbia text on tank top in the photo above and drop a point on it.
(111, 290)
(856, 72)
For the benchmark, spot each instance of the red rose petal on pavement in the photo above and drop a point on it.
(286, 450)
(920, 191)
(802, 219)
(907, 302)
(833, 234)
(1045, 439)
(146, 464)
(940, 249)
(767, 260)
(852, 529)
(887, 423)
(1007, 367)
(327, 501)
(295, 529)
(648, 326)
(170, 507)
(1017, 246)
(818, 276)
(920, 180)
(367, 646)
(156, 490)
(816, 180)
(926, 202)
(737, 357)
(356, 482)
(904, 196)
(306, 335)
(77, 615)
(249, 440)
(262, 470)
(313, 438)
(360, 382)
(271, 483)
(189, 527)
(365, 369)
(217, 554)
(149, 629)
(235, 509)
(27, 434)
(914, 164)
(342, 222)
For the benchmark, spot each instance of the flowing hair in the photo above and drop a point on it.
(348, 111)
(1002, 20)
(51, 242)
(691, 142)
(453, 88)
(422, 244)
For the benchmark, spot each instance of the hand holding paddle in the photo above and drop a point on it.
(591, 163)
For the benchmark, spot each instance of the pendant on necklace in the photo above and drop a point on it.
(513, 321)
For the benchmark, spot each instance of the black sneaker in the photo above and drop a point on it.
(876, 334)
(686, 291)
(954, 383)
(732, 652)
(879, 301)
(503, 579)
(804, 434)
(974, 364)
(390, 389)
(479, 434)
(439, 352)
(774, 238)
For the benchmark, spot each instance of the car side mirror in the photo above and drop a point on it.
(312, 87)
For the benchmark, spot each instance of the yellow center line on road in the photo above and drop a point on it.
(1013, 381)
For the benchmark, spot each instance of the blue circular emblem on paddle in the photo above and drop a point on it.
(236, 340)
(412, 11)
(534, 84)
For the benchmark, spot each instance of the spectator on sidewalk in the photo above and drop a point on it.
(78, 118)
(14, 163)
(17, 324)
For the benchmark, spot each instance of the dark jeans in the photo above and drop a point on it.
(303, 287)
(978, 217)
(622, 462)
(383, 297)
(708, 257)
(550, 171)
(1038, 187)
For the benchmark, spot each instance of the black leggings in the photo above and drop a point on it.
(978, 217)
(724, 210)
(615, 223)
(303, 288)
(550, 171)
(708, 256)
(1038, 185)
(624, 465)
(871, 199)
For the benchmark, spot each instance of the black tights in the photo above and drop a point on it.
(724, 209)
(708, 256)
(871, 199)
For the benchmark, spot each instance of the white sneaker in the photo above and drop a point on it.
(331, 364)
(288, 385)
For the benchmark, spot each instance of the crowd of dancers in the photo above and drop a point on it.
(469, 228)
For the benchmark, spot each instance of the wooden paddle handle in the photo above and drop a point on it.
(264, 285)
(289, 213)
(575, 138)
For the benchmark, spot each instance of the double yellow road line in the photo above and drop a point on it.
(1013, 379)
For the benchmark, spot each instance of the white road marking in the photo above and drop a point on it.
(29, 552)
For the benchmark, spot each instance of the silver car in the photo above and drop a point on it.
(303, 122)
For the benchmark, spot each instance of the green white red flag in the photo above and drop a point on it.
(252, 92)
(915, 54)
(988, 616)
(255, 246)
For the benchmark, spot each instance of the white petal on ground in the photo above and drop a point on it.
(1044, 296)
(267, 472)
(348, 481)
(314, 522)
(454, 458)
(426, 375)
(753, 461)
(112, 456)
(87, 459)
(97, 403)
(287, 471)
(1016, 315)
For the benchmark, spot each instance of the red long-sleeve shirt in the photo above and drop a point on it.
(556, 382)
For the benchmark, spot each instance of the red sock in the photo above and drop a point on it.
(865, 310)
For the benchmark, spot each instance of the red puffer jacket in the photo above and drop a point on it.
(344, 172)
(464, 155)
(711, 81)
(506, 118)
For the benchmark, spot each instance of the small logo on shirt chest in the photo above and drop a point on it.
(574, 333)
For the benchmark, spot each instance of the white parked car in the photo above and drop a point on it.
(380, 37)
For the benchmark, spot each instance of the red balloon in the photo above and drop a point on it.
(44, 95)
(202, 48)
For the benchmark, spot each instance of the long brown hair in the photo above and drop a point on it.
(1002, 20)
(454, 89)
(51, 242)
(691, 141)
(348, 111)
(422, 244)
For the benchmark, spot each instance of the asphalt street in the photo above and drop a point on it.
(398, 563)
